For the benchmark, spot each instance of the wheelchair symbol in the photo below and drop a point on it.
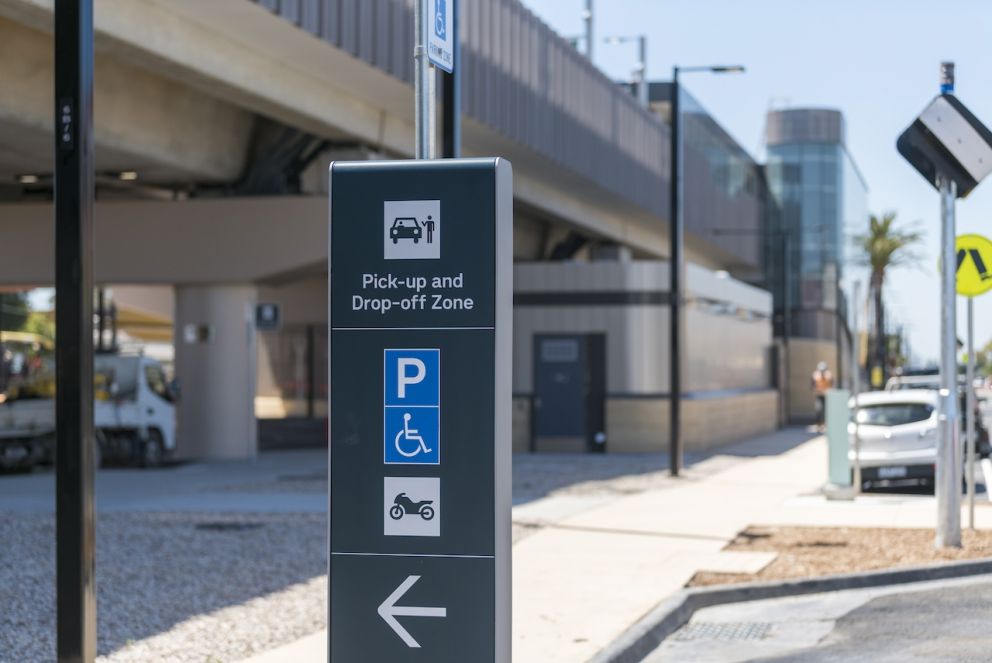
(408, 435)
(440, 18)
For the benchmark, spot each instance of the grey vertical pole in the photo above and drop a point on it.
(451, 119)
(948, 473)
(856, 386)
(642, 69)
(587, 17)
(786, 315)
(675, 287)
(75, 539)
(970, 414)
(424, 91)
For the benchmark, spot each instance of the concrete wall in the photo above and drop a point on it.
(640, 425)
(727, 376)
(718, 310)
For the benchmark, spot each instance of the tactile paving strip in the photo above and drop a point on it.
(723, 631)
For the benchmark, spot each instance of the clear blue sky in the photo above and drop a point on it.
(875, 60)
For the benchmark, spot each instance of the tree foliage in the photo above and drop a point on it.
(14, 310)
(884, 247)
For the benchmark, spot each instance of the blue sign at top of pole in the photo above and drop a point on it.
(441, 33)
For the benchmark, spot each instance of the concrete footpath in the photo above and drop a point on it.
(587, 564)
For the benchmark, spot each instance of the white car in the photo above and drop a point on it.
(898, 436)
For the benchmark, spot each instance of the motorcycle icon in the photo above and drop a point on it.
(410, 435)
(403, 506)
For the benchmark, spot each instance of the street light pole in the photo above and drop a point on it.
(642, 70)
(675, 238)
(587, 18)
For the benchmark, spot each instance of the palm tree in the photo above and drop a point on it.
(885, 247)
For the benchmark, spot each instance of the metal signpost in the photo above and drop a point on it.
(420, 325)
(74, 455)
(856, 387)
(451, 93)
(952, 149)
(973, 258)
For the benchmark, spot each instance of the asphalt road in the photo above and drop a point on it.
(934, 622)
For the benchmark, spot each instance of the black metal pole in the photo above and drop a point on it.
(3, 365)
(676, 236)
(451, 119)
(311, 372)
(101, 317)
(113, 326)
(74, 509)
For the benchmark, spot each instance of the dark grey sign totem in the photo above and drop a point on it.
(420, 281)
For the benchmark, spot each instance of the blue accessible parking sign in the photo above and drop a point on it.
(412, 406)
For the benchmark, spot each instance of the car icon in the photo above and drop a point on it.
(405, 227)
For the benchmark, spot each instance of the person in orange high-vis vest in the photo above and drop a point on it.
(822, 380)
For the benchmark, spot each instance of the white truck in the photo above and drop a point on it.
(134, 417)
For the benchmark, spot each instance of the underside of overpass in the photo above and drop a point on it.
(214, 125)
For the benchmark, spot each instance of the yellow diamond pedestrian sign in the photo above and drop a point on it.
(974, 258)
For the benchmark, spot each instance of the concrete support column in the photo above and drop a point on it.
(215, 365)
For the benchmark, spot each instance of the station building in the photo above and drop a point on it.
(215, 124)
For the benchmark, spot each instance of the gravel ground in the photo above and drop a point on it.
(171, 587)
(217, 588)
(805, 552)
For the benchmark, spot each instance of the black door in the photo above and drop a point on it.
(569, 392)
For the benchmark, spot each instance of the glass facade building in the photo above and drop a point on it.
(818, 200)
(724, 196)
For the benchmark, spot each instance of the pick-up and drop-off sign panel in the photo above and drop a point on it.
(420, 302)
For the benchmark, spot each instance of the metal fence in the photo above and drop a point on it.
(519, 78)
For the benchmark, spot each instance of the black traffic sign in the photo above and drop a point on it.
(421, 304)
(948, 140)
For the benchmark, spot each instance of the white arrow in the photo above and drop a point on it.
(389, 611)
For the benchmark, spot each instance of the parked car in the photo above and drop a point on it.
(898, 436)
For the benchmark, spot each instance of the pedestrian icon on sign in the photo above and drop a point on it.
(974, 257)
(429, 227)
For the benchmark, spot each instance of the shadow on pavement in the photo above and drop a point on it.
(537, 475)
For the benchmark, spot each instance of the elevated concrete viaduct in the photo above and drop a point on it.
(183, 90)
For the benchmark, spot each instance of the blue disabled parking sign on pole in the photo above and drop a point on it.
(412, 407)
(441, 34)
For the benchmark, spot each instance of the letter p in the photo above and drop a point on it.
(404, 377)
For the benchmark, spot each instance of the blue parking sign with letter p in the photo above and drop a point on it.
(412, 378)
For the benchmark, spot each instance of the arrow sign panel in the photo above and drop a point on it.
(389, 611)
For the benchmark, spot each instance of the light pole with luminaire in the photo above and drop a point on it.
(641, 71)
(676, 229)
